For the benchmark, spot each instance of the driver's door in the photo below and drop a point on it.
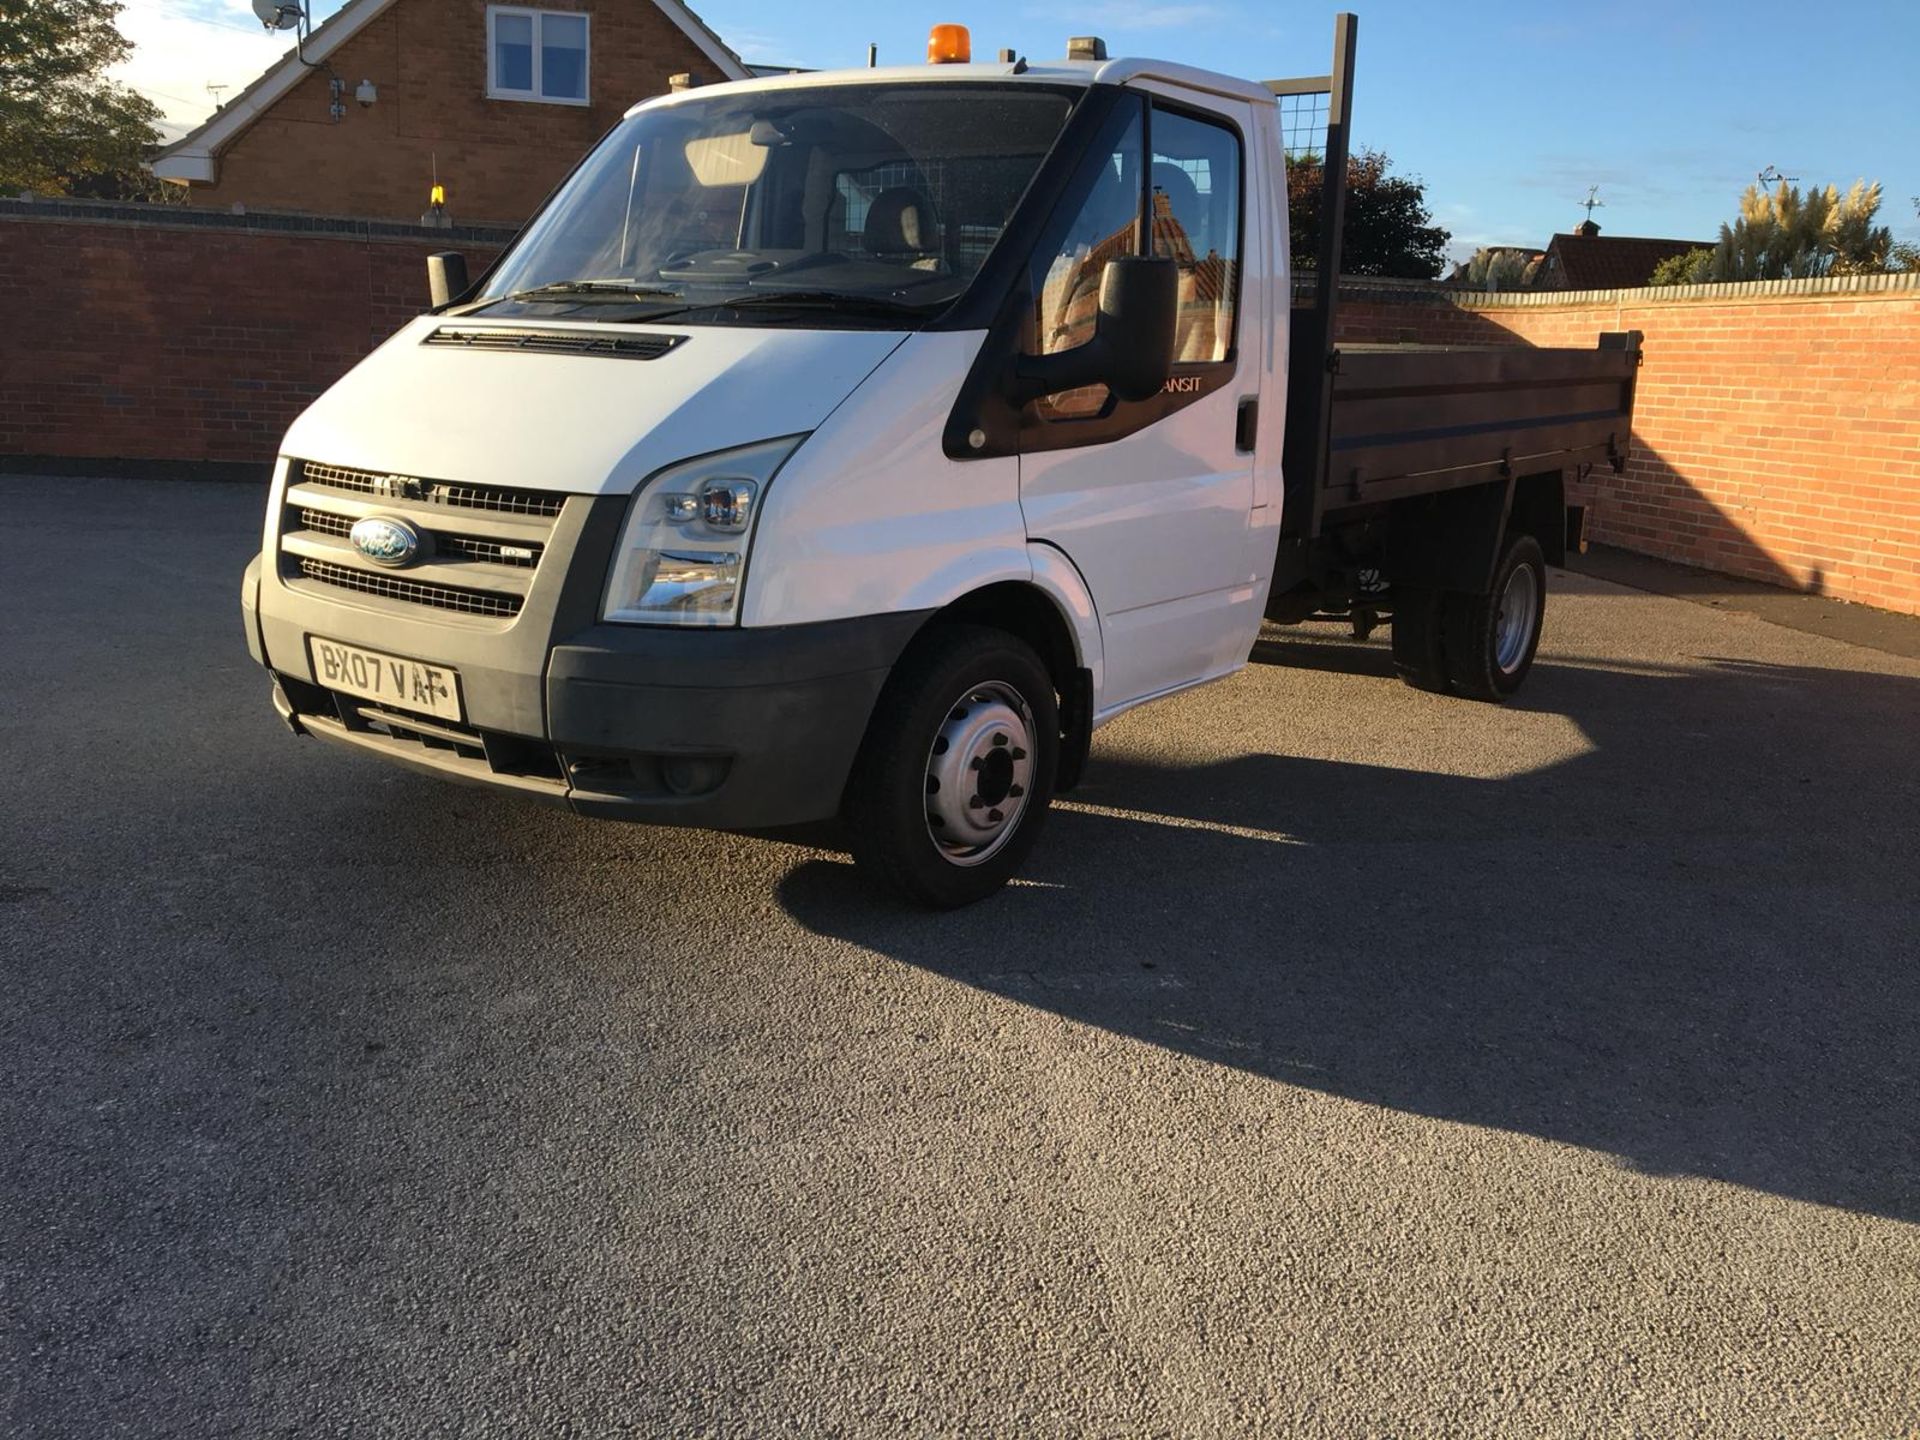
(1152, 500)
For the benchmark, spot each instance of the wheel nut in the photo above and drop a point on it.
(1016, 791)
(1018, 753)
(999, 740)
(974, 764)
(976, 803)
(995, 816)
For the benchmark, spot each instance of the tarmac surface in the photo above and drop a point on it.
(1351, 1062)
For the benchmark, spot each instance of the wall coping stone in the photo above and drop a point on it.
(1352, 287)
(1895, 285)
(273, 222)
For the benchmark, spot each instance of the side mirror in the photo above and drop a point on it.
(1131, 351)
(446, 277)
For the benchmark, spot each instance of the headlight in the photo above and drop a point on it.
(683, 553)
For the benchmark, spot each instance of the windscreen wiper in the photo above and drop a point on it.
(847, 303)
(599, 289)
(848, 300)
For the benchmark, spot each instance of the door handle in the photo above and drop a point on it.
(1246, 424)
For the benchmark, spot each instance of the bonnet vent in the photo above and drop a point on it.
(554, 342)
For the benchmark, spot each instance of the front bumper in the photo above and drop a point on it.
(723, 728)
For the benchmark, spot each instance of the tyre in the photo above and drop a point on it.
(957, 768)
(1491, 639)
(1419, 652)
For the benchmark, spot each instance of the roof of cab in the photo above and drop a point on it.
(1051, 72)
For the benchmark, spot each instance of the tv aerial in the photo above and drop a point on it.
(279, 14)
(292, 15)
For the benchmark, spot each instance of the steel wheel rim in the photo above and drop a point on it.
(1513, 626)
(979, 773)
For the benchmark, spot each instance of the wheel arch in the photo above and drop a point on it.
(1020, 608)
(1054, 615)
(1540, 510)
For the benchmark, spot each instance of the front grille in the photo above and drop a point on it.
(509, 502)
(326, 522)
(554, 342)
(481, 550)
(404, 489)
(399, 725)
(443, 597)
(490, 552)
(528, 763)
(445, 546)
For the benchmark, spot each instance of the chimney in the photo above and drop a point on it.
(1586, 229)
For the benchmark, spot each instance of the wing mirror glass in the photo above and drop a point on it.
(1131, 351)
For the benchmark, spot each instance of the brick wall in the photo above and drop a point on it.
(1777, 434)
(428, 60)
(190, 338)
(1776, 426)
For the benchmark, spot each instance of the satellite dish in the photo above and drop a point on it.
(277, 14)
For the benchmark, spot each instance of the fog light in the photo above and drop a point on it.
(694, 774)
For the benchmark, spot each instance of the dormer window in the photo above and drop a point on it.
(536, 55)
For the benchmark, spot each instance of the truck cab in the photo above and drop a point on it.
(840, 444)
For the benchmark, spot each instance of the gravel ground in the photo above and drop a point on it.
(1352, 1062)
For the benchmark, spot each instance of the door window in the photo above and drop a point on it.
(1196, 223)
(1193, 184)
(1066, 274)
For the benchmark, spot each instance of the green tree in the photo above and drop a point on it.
(1905, 255)
(1389, 230)
(64, 127)
(1693, 268)
(1788, 235)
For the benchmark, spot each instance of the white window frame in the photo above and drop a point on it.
(495, 91)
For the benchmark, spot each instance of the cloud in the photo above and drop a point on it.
(1682, 175)
(183, 46)
(759, 47)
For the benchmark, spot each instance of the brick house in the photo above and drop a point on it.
(1587, 260)
(498, 100)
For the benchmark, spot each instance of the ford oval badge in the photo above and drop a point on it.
(385, 541)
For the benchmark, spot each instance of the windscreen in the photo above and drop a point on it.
(870, 199)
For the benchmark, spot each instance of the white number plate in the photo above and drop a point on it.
(404, 684)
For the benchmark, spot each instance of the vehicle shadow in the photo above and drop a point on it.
(1692, 947)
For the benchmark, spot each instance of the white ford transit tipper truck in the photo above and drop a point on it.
(857, 443)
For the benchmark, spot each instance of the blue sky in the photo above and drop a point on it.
(1509, 109)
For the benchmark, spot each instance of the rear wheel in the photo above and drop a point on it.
(1491, 639)
(957, 768)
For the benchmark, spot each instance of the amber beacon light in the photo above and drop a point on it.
(949, 45)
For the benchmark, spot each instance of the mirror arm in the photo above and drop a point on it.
(1033, 376)
(1131, 348)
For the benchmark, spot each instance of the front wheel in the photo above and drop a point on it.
(1491, 639)
(957, 768)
